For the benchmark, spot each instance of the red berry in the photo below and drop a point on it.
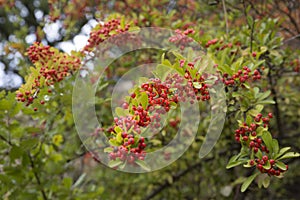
(259, 166)
(255, 149)
(254, 54)
(125, 105)
(35, 109)
(265, 158)
(272, 162)
(245, 138)
(253, 133)
(42, 102)
(259, 140)
(270, 115)
(256, 72)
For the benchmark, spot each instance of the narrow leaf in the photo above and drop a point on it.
(280, 165)
(114, 163)
(247, 182)
(143, 165)
(289, 155)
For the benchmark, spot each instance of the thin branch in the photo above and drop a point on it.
(225, 16)
(174, 178)
(292, 38)
(277, 110)
(37, 178)
(177, 176)
(5, 140)
(288, 14)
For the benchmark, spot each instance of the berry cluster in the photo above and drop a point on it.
(265, 120)
(211, 42)
(161, 95)
(273, 170)
(38, 52)
(247, 134)
(181, 38)
(51, 67)
(245, 130)
(109, 30)
(195, 87)
(73, 10)
(159, 98)
(54, 12)
(219, 46)
(241, 76)
(174, 122)
(132, 147)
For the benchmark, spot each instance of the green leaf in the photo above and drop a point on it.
(259, 154)
(117, 129)
(247, 182)
(143, 165)
(258, 64)
(289, 155)
(67, 182)
(266, 102)
(280, 165)
(275, 146)
(248, 119)
(263, 95)
(166, 62)
(247, 164)
(225, 69)
(246, 85)
(267, 165)
(121, 112)
(108, 150)
(178, 55)
(282, 151)
(197, 85)
(237, 65)
(267, 138)
(15, 152)
(119, 137)
(114, 163)
(2, 94)
(256, 91)
(134, 29)
(266, 182)
(143, 99)
(234, 161)
(113, 142)
(79, 180)
(29, 144)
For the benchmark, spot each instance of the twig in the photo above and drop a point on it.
(225, 16)
(37, 178)
(5, 140)
(277, 111)
(177, 176)
(291, 38)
